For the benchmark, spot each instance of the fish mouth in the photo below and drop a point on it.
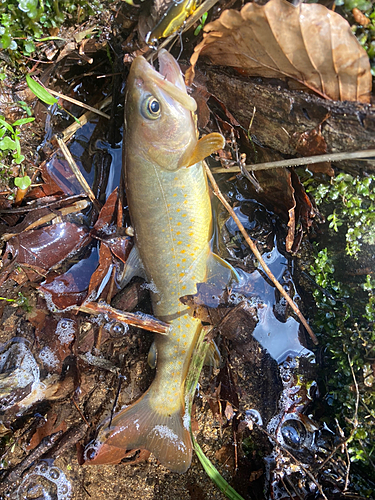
(169, 79)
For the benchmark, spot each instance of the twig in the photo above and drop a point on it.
(72, 164)
(78, 103)
(80, 412)
(257, 254)
(294, 162)
(355, 420)
(71, 130)
(144, 321)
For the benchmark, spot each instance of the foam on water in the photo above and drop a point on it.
(65, 330)
(48, 357)
(45, 481)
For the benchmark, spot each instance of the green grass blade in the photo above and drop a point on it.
(214, 474)
(195, 368)
(41, 92)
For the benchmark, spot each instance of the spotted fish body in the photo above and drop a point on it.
(170, 209)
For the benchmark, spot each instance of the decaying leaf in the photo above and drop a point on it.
(307, 43)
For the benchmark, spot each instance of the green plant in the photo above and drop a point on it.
(365, 32)
(345, 317)
(203, 20)
(10, 146)
(353, 199)
(22, 22)
(21, 301)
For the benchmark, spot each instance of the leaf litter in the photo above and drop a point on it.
(248, 380)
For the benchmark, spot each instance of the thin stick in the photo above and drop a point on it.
(144, 321)
(294, 162)
(78, 103)
(80, 412)
(72, 164)
(71, 130)
(257, 254)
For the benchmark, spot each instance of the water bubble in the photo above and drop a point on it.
(44, 482)
(54, 473)
(293, 433)
(117, 329)
(254, 415)
(65, 330)
(90, 451)
(43, 468)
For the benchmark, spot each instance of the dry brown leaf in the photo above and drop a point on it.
(307, 43)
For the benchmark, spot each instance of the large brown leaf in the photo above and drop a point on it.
(307, 43)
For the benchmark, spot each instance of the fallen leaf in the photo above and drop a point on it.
(45, 247)
(71, 288)
(307, 43)
(360, 18)
(102, 273)
(229, 412)
(46, 429)
(104, 226)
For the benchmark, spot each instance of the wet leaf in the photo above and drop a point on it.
(46, 429)
(106, 218)
(45, 247)
(307, 43)
(120, 247)
(102, 273)
(71, 288)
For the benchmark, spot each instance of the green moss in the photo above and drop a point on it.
(353, 199)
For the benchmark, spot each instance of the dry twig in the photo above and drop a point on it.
(72, 164)
(295, 162)
(144, 321)
(257, 254)
(79, 103)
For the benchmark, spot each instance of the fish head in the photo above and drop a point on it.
(159, 121)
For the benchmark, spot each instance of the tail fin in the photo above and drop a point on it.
(141, 426)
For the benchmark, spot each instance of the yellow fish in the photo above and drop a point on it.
(170, 209)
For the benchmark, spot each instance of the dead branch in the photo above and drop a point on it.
(72, 164)
(144, 321)
(257, 254)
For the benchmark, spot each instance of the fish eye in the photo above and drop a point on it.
(151, 108)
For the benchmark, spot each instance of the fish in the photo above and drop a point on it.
(171, 21)
(170, 210)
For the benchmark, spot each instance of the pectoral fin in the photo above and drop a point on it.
(205, 147)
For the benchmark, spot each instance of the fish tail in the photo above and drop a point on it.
(166, 435)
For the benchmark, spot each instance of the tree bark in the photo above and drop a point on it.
(282, 114)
